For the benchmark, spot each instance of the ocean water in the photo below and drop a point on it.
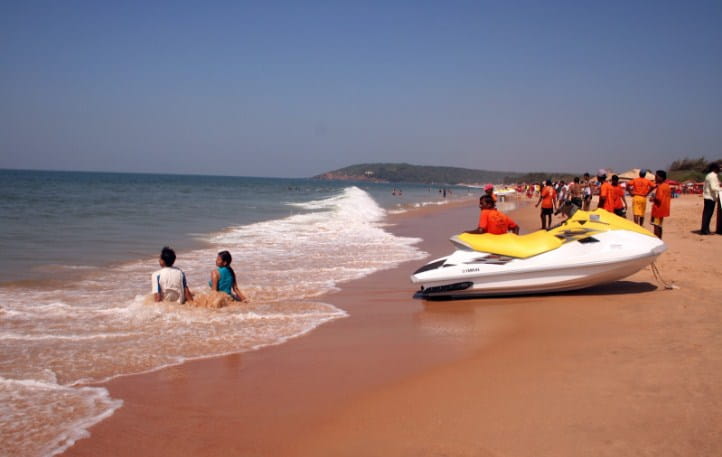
(77, 251)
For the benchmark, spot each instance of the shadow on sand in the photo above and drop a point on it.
(699, 232)
(614, 288)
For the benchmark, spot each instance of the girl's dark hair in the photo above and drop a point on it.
(226, 258)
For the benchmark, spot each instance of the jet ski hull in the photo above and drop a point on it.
(578, 264)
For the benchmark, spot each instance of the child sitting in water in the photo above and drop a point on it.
(223, 278)
(169, 283)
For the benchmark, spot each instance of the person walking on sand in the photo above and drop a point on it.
(711, 194)
(639, 188)
(493, 221)
(548, 200)
(223, 278)
(661, 202)
(575, 193)
(169, 283)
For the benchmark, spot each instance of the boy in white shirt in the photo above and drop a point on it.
(169, 283)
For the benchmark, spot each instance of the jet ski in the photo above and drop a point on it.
(588, 249)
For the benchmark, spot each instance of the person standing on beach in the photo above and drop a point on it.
(619, 201)
(639, 188)
(607, 197)
(548, 200)
(575, 193)
(169, 283)
(661, 202)
(587, 191)
(711, 194)
(562, 193)
(493, 221)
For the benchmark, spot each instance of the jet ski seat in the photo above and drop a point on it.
(581, 225)
(509, 244)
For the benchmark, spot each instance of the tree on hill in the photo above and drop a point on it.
(689, 169)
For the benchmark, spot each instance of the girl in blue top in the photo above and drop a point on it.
(223, 278)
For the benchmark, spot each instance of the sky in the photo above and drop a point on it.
(297, 88)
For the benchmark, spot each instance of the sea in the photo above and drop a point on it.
(77, 250)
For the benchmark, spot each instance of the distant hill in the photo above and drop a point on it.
(404, 172)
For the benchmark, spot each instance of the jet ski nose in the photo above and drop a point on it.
(659, 249)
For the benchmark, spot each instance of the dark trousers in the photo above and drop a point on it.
(707, 213)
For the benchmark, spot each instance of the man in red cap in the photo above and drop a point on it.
(489, 190)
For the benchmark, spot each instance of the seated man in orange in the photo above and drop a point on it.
(491, 220)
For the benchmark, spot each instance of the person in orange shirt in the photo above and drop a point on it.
(620, 202)
(607, 198)
(548, 200)
(661, 202)
(493, 221)
(640, 188)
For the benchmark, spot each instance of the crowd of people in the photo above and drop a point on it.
(565, 198)
(560, 197)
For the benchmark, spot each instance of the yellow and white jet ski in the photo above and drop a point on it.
(588, 249)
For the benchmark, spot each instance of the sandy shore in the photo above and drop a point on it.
(629, 368)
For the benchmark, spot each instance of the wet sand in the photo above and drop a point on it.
(629, 368)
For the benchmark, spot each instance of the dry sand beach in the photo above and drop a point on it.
(629, 368)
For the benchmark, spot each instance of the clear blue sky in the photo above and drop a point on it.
(292, 89)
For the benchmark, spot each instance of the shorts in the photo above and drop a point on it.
(639, 205)
(547, 211)
(577, 201)
(657, 221)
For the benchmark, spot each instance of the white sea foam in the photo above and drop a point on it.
(101, 326)
(44, 418)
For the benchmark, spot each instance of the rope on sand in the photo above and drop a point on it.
(658, 277)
